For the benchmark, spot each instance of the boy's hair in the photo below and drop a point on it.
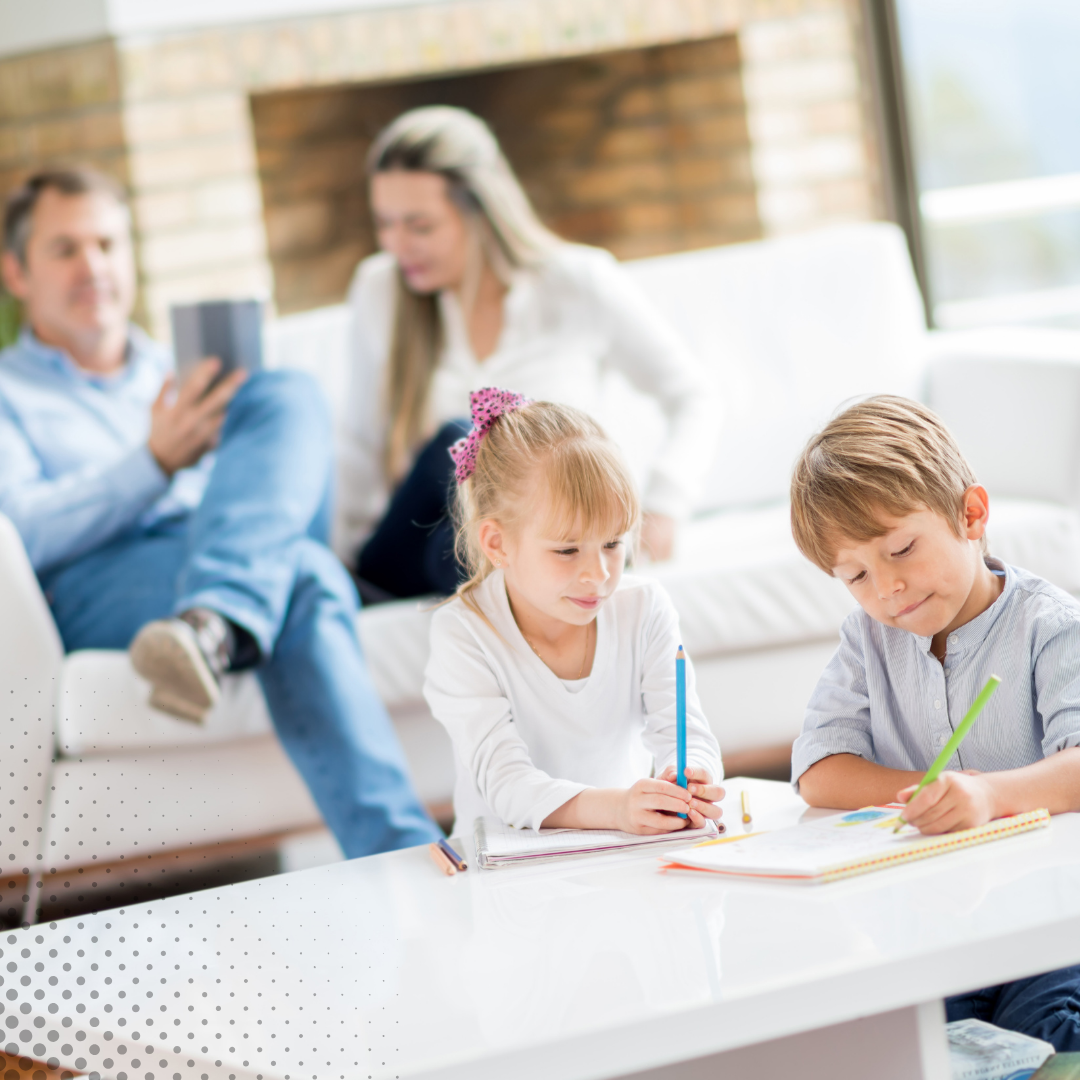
(885, 456)
(72, 180)
(588, 485)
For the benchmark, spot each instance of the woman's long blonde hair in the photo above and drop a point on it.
(588, 486)
(507, 234)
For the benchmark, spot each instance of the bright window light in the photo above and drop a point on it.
(993, 99)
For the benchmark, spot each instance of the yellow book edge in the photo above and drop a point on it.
(929, 847)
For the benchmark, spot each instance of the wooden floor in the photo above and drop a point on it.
(24, 1068)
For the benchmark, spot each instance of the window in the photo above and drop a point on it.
(992, 99)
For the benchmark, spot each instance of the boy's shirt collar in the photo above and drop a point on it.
(972, 634)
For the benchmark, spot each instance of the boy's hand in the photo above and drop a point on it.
(705, 794)
(955, 800)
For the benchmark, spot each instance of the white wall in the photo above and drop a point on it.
(30, 25)
(44, 24)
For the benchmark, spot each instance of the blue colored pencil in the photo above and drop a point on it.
(680, 718)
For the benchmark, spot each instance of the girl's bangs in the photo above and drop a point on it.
(590, 494)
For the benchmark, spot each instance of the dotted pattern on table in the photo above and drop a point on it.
(156, 987)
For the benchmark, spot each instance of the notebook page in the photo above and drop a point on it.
(861, 838)
(502, 841)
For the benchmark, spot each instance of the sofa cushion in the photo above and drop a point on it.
(739, 583)
(1042, 537)
(102, 704)
(119, 805)
(788, 329)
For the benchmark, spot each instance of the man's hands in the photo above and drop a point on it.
(955, 800)
(183, 423)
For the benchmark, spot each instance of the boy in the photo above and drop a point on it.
(883, 499)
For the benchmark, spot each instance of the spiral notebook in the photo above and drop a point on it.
(499, 845)
(841, 846)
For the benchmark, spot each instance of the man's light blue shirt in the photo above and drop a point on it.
(886, 698)
(75, 470)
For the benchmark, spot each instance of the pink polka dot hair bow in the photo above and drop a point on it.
(487, 406)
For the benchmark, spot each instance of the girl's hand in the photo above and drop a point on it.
(650, 806)
(705, 794)
(955, 800)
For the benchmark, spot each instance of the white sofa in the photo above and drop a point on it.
(789, 329)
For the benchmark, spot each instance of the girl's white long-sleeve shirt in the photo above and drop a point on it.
(565, 325)
(525, 741)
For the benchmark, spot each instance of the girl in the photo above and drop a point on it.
(470, 287)
(553, 673)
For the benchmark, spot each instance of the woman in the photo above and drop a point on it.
(471, 290)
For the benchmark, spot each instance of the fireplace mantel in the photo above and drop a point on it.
(169, 111)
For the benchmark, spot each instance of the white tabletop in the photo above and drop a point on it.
(382, 967)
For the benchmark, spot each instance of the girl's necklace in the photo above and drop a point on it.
(581, 669)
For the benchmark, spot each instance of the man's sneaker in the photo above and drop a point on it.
(183, 659)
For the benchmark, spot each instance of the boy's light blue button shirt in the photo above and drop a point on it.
(75, 470)
(886, 698)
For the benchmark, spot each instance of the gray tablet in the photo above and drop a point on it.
(231, 330)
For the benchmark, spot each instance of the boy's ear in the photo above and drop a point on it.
(976, 512)
(490, 536)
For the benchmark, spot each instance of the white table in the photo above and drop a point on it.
(605, 967)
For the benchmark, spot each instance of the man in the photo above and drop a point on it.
(203, 563)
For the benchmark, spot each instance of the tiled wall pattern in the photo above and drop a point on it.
(172, 115)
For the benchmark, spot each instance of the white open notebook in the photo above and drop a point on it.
(841, 845)
(501, 845)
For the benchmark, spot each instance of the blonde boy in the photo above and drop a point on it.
(883, 499)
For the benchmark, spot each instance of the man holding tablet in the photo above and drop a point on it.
(187, 522)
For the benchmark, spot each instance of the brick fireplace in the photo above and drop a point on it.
(645, 126)
(641, 151)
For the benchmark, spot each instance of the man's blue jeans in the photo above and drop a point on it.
(255, 551)
(1045, 1007)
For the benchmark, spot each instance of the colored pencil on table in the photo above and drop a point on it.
(953, 744)
(746, 807)
(680, 718)
(441, 860)
(452, 855)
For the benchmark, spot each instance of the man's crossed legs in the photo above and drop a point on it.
(255, 553)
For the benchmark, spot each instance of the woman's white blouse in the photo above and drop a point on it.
(565, 326)
(524, 741)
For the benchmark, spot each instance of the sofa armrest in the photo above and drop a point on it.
(1012, 399)
(31, 654)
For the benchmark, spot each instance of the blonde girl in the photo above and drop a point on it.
(553, 672)
(470, 288)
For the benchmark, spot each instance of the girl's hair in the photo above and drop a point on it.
(505, 230)
(588, 485)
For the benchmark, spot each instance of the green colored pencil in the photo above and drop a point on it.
(953, 744)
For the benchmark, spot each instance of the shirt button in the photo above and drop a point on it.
(937, 704)
(954, 640)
